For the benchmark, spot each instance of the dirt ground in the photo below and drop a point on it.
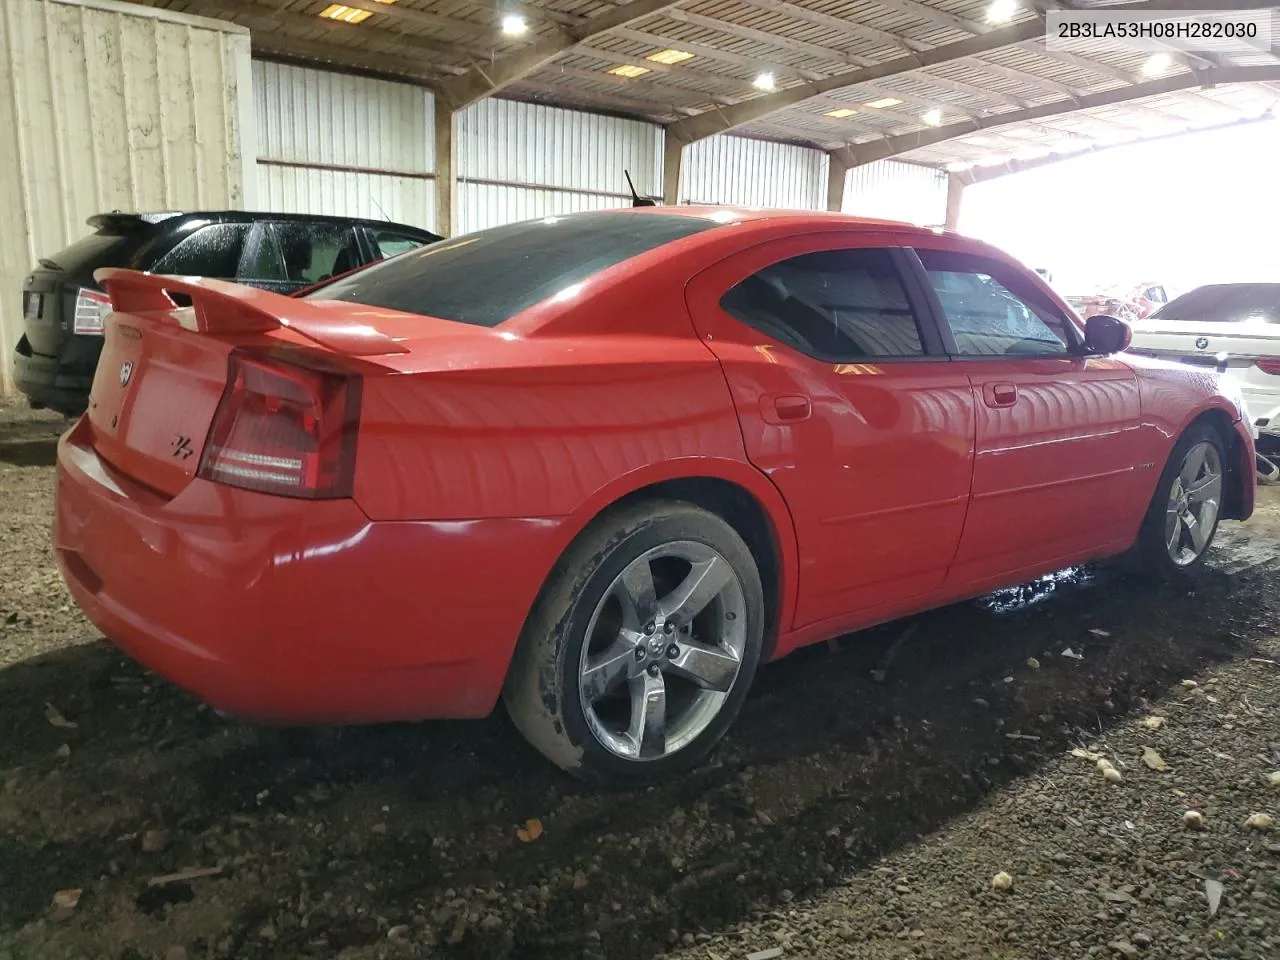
(842, 818)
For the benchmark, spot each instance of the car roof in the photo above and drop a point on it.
(726, 213)
(175, 217)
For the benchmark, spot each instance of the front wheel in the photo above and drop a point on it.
(1183, 516)
(640, 651)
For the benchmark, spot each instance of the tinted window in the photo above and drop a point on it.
(837, 305)
(316, 251)
(1225, 303)
(390, 244)
(991, 310)
(487, 277)
(262, 258)
(96, 250)
(212, 251)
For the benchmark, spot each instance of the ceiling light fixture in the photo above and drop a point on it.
(338, 11)
(513, 25)
(628, 70)
(764, 81)
(1157, 64)
(670, 56)
(840, 113)
(1001, 11)
(884, 102)
(932, 117)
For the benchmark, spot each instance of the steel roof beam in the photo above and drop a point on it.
(1020, 166)
(718, 121)
(870, 151)
(483, 79)
(901, 42)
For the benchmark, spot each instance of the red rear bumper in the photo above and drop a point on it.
(297, 611)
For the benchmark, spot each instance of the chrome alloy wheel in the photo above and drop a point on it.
(1194, 500)
(663, 650)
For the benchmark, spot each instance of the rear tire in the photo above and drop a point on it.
(615, 679)
(1182, 518)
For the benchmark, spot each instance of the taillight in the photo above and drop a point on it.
(285, 429)
(1270, 366)
(91, 311)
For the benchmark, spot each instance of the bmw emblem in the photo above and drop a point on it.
(1202, 343)
(126, 371)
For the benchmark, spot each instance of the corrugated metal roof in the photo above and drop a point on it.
(734, 40)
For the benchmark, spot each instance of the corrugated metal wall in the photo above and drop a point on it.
(519, 160)
(755, 173)
(343, 145)
(892, 190)
(111, 106)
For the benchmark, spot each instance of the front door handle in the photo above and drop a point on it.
(785, 408)
(1000, 394)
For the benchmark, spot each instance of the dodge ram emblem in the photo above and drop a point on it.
(126, 371)
(1202, 343)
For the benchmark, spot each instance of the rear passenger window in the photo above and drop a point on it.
(316, 251)
(212, 251)
(390, 244)
(834, 305)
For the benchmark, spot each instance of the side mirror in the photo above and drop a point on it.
(1104, 334)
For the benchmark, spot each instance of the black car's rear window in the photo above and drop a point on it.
(487, 277)
(1225, 303)
(95, 250)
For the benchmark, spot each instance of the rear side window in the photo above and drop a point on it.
(212, 251)
(1225, 303)
(390, 244)
(487, 277)
(312, 252)
(836, 305)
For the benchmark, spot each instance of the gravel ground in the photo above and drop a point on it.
(843, 817)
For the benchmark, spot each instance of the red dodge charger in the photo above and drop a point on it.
(603, 465)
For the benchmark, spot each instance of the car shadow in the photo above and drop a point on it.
(826, 769)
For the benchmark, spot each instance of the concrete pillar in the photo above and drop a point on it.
(955, 193)
(837, 174)
(446, 171)
(672, 158)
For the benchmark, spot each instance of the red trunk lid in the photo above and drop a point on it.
(154, 395)
(163, 370)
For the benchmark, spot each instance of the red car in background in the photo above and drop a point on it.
(601, 466)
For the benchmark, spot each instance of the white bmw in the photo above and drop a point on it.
(1233, 323)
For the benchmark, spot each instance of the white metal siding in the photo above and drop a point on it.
(110, 106)
(891, 190)
(332, 143)
(754, 173)
(520, 160)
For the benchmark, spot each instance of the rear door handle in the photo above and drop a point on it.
(785, 407)
(1000, 394)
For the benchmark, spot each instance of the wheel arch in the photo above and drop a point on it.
(1239, 467)
(734, 491)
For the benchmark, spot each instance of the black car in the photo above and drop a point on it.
(63, 307)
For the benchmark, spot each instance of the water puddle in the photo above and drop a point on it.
(1024, 595)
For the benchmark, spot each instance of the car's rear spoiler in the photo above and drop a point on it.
(219, 307)
(121, 223)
